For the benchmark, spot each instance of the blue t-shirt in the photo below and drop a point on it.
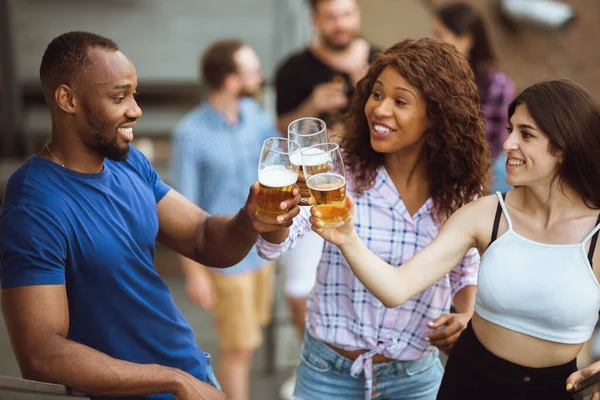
(95, 233)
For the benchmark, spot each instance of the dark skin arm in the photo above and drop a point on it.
(454, 323)
(37, 319)
(216, 241)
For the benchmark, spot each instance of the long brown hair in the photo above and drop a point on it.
(458, 155)
(570, 117)
(462, 19)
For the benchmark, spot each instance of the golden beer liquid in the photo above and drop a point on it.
(276, 185)
(329, 192)
(320, 161)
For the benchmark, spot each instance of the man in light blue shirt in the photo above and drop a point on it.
(215, 159)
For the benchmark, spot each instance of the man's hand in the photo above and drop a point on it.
(199, 289)
(328, 97)
(580, 375)
(191, 388)
(453, 325)
(285, 220)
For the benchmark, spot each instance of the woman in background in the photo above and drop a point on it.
(462, 26)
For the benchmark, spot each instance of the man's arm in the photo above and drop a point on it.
(216, 241)
(464, 300)
(37, 319)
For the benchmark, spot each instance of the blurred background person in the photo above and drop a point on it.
(318, 81)
(462, 26)
(215, 160)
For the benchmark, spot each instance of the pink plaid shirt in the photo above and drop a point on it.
(342, 312)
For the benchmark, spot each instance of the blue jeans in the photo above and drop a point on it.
(211, 379)
(323, 374)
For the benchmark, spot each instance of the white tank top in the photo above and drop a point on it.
(547, 291)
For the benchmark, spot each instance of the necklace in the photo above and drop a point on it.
(57, 160)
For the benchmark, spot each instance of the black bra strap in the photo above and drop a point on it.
(497, 220)
(593, 243)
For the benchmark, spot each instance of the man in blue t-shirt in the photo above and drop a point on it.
(82, 301)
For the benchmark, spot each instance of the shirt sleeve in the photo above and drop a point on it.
(159, 188)
(271, 251)
(501, 94)
(288, 95)
(465, 273)
(33, 248)
(185, 166)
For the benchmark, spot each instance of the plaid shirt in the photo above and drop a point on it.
(342, 312)
(495, 110)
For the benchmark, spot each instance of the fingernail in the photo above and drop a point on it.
(280, 219)
(426, 338)
(430, 323)
(569, 386)
(321, 224)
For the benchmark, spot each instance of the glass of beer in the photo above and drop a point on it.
(307, 132)
(277, 176)
(327, 183)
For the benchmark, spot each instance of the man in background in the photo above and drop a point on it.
(318, 80)
(215, 158)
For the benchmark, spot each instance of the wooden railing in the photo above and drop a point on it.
(18, 385)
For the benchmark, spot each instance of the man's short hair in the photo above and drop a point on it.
(67, 55)
(218, 62)
(314, 3)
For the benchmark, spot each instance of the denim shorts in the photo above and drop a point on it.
(211, 379)
(323, 374)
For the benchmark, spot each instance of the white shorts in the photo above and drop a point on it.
(300, 265)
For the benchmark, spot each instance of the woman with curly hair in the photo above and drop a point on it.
(538, 294)
(415, 152)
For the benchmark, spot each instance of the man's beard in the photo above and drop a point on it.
(333, 46)
(107, 147)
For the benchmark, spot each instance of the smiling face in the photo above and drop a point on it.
(107, 109)
(397, 114)
(528, 148)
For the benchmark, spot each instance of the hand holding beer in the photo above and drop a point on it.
(339, 236)
(306, 132)
(326, 181)
(277, 196)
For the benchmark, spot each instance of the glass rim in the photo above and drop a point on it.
(324, 129)
(304, 149)
(278, 151)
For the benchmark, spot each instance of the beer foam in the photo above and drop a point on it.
(277, 176)
(326, 181)
(310, 157)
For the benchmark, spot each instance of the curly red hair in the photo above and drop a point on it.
(457, 152)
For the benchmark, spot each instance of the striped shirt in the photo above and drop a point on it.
(215, 163)
(342, 312)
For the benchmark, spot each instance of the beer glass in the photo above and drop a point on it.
(277, 176)
(307, 132)
(327, 184)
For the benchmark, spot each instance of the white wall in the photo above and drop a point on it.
(163, 38)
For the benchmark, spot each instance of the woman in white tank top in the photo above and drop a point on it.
(538, 293)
